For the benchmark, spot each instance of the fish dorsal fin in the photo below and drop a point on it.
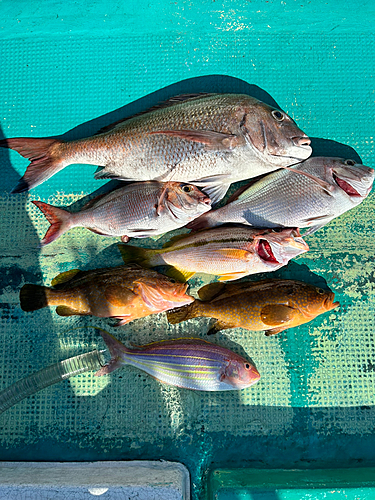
(277, 314)
(65, 277)
(211, 291)
(172, 101)
(178, 341)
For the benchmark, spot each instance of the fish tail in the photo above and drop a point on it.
(181, 314)
(116, 349)
(33, 297)
(45, 159)
(57, 217)
(139, 255)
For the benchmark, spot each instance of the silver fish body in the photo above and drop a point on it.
(186, 362)
(209, 140)
(287, 199)
(137, 210)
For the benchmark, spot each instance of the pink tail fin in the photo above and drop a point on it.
(58, 218)
(44, 156)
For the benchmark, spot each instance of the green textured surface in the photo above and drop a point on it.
(68, 68)
(332, 484)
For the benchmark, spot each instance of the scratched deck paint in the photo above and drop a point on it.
(69, 68)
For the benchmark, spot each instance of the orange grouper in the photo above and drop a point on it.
(270, 305)
(123, 292)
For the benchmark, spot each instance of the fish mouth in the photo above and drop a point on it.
(265, 252)
(345, 186)
(329, 304)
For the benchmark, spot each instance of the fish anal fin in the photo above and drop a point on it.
(273, 331)
(69, 311)
(277, 314)
(220, 325)
(232, 276)
(65, 277)
(178, 274)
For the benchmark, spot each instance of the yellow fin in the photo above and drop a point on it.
(210, 291)
(277, 314)
(118, 296)
(234, 253)
(64, 277)
(179, 274)
(232, 276)
(69, 311)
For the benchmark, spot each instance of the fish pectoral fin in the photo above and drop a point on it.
(211, 139)
(211, 291)
(64, 277)
(274, 314)
(119, 296)
(273, 331)
(69, 311)
(220, 325)
(234, 253)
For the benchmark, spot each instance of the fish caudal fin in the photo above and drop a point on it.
(44, 156)
(180, 314)
(116, 349)
(33, 297)
(57, 217)
(203, 222)
(139, 255)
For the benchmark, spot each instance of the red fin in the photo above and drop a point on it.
(57, 217)
(44, 157)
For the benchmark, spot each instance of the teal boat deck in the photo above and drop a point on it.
(69, 68)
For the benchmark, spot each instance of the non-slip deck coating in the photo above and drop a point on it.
(69, 69)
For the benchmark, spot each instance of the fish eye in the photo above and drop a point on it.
(172, 280)
(351, 163)
(277, 115)
(187, 189)
(247, 366)
(321, 291)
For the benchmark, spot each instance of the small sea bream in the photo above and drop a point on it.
(186, 362)
(269, 305)
(228, 252)
(209, 140)
(285, 199)
(138, 210)
(123, 292)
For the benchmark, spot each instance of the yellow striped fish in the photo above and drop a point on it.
(186, 362)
